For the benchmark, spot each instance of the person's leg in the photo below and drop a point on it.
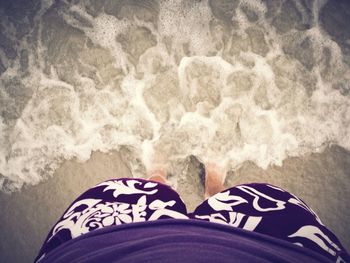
(270, 210)
(115, 202)
(214, 179)
(158, 176)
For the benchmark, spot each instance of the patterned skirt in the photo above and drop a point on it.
(261, 208)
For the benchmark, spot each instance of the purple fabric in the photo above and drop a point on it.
(270, 210)
(114, 202)
(176, 240)
(260, 208)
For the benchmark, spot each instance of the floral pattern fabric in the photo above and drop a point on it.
(261, 208)
(272, 211)
(115, 202)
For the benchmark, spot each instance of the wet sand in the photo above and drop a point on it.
(321, 180)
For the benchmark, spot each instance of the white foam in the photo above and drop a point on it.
(183, 97)
(186, 25)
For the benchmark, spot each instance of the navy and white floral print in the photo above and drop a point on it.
(115, 202)
(270, 210)
(261, 208)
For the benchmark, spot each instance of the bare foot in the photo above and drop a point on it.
(158, 175)
(214, 179)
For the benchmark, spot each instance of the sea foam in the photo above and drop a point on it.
(224, 82)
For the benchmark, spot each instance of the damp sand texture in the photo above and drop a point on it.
(260, 87)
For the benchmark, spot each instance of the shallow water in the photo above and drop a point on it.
(224, 81)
